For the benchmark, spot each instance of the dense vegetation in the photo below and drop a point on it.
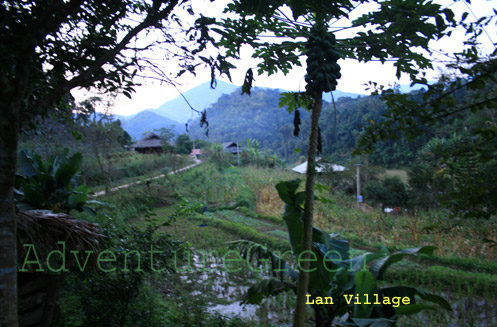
(51, 148)
(209, 206)
(433, 158)
(242, 203)
(238, 117)
(217, 202)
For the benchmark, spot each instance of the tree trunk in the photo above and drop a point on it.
(299, 317)
(14, 81)
(107, 185)
(9, 123)
(98, 153)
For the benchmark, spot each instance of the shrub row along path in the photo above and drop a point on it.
(196, 163)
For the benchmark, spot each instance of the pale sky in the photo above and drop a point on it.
(354, 74)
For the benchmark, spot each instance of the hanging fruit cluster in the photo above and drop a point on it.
(322, 68)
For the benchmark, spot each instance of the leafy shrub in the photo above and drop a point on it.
(120, 295)
(390, 192)
(51, 184)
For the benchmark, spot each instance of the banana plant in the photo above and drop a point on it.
(253, 151)
(339, 286)
(51, 185)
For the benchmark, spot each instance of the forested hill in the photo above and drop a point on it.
(147, 121)
(240, 117)
(237, 117)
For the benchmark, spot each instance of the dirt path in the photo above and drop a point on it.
(197, 162)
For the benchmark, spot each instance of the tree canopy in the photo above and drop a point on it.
(463, 99)
(49, 48)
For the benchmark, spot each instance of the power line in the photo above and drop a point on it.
(483, 28)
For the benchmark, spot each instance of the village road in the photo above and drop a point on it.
(197, 162)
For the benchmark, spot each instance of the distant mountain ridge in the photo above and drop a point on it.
(236, 117)
(175, 113)
(148, 121)
(202, 96)
(199, 98)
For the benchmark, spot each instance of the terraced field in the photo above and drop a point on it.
(241, 205)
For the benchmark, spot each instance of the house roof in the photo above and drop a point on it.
(228, 144)
(150, 141)
(321, 167)
(196, 152)
(44, 228)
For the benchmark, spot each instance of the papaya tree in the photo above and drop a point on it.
(393, 30)
(253, 151)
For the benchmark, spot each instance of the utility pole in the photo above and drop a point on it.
(194, 152)
(359, 196)
(238, 153)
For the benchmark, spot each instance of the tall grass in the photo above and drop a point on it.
(129, 164)
(453, 238)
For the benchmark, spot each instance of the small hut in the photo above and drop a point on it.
(231, 147)
(149, 144)
(38, 292)
(196, 153)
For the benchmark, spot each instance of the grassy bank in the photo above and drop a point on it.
(130, 166)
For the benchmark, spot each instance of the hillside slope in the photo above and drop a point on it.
(199, 97)
(147, 121)
(237, 118)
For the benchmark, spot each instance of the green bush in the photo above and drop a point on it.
(51, 185)
(390, 192)
(120, 295)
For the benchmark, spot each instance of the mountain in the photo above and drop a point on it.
(202, 96)
(179, 112)
(199, 97)
(147, 121)
(339, 94)
(237, 118)
(240, 117)
(122, 118)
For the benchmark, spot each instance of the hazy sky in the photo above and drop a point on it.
(354, 74)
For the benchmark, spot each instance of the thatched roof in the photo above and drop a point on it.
(150, 141)
(44, 229)
(231, 147)
(38, 292)
(228, 144)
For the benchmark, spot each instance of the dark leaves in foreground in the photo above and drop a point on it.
(247, 83)
(296, 123)
(204, 123)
